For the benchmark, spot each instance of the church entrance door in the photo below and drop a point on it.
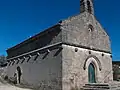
(91, 73)
(19, 73)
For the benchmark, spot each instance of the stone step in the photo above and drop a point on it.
(94, 89)
(96, 86)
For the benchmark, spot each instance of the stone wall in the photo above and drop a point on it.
(43, 72)
(75, 66)
(85, 31)
(83, 41)
(40, 59)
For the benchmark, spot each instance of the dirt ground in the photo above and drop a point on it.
(9, 87)
(5, 86)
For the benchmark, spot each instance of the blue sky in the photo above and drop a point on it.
(20, 19)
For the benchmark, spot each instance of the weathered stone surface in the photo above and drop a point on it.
(64, 66)
(73, 72)
(41, 73)
(75, 30)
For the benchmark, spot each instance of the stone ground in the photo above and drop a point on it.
(5, 86)
(9, 87)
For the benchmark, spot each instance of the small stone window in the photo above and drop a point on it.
(90, 28)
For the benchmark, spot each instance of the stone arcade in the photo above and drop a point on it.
(70, 54)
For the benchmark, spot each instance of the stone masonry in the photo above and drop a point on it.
(59, 57)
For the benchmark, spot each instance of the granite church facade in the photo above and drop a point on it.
(68, 55)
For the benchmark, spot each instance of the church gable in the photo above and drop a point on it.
(84, 30)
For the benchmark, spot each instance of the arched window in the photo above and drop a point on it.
(90, 28)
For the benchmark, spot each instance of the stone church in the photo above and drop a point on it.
(66, 56)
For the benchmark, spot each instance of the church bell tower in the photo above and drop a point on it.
(86, 6)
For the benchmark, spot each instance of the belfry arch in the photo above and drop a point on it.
(86, 6)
